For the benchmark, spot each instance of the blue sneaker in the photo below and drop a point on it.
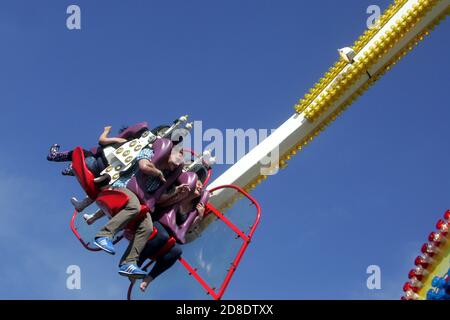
(132, 271)
(105, 244)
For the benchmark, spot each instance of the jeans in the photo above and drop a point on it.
(95, 165)
(152, 247)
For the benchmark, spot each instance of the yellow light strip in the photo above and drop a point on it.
(340, 64)
(321, 126)
(370, 57)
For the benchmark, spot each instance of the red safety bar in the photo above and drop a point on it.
(217, 294)
(83, 174)
(86, 244)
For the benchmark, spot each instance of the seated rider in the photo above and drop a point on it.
(103, 239)
(153, 184)
(187, 204)
(95, 161)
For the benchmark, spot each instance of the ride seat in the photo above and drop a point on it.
(167, 246)
(162, 149)
(169, 217)
(110, 202)
(84, 176)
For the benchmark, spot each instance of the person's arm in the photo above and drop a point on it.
(170, 198)
(148, 168)
(104, 140)
(200, 207)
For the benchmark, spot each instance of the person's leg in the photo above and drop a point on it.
(68, 171)
(59, 156)
(137, 244)
(80, 205)
(53, 151)
(166, 261)
(63, 156)
(119, 221)
(154, 245)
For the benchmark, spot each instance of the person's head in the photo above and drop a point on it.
(195, 193)
(198, 189)
(122, 129)
(175, 159)
(201, 171)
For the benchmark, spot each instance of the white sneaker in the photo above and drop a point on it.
(88, 218)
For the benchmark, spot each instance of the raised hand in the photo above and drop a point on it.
(200, 209)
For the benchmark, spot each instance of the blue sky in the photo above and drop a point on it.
(367, 191)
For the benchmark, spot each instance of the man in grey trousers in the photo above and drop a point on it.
(128, 262)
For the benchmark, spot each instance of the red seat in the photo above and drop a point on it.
(111, 201)
(154, 234)
(83, 174)
(169, 245)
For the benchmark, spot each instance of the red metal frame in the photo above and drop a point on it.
(217, 295)
(253, 200)
(246, 240)
(197, 277)
(227, 222)
(77, 235)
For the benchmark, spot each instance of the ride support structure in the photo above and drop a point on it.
(400, 28)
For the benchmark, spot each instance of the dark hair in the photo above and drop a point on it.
(201, 171)
(122, 129)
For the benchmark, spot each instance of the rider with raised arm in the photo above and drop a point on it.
(94, 160)
(185, 205)
(154, 179)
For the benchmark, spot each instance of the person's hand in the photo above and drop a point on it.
(182, 190)
(120, 140)
(200, 209)
(161, 177)
(144, 284)
(108, 128)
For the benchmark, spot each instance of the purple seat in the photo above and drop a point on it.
(169, 216)
(162, 148)
(134, 131)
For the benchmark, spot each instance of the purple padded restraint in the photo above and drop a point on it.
(162, 148)
(131, 132)
(169, 217)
